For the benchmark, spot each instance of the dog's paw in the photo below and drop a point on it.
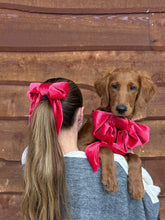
(110, 185)
(136, 192)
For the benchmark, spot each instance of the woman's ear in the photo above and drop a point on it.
(146, 92)
(102, 89)
(80, 116)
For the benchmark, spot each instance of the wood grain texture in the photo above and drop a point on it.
(81, 67)
(14, 138)
(157, 30)
(155, 167)
(155, 146)
(16, 103)
(11, 178)
(22, 31)
(73, 6)
(162, 209)
(10, 206)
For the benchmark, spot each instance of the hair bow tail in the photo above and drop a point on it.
(57, 110)
(34, 95)
(92, 153)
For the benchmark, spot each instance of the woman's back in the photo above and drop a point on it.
(90, 201)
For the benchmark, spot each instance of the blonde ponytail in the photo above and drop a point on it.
(45, 185)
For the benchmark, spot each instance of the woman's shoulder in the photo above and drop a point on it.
(78, 165)
(24, 155)
(78, 155)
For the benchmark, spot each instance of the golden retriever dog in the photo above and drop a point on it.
(123, 92)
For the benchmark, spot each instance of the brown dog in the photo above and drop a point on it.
(125, 93)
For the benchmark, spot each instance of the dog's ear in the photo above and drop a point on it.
(146, 92)
(102, 89)
(147, 88)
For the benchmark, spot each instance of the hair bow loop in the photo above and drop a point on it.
(59, 90)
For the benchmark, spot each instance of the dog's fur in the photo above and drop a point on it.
(123, 92)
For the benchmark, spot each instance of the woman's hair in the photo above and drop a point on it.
(45, 195)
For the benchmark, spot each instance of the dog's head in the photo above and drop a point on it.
(125, 92)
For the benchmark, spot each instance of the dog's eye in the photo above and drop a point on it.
(132, 88)
(114, 86)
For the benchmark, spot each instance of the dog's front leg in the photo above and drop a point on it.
(108, 169)
(136, 188)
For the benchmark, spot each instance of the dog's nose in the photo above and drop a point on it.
(121, 109)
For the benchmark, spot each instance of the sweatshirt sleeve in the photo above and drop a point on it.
(150, 199)
(149, 207)
(152, 190)
(23, 158)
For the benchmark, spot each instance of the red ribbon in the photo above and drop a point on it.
(117, 133)
(54, 92)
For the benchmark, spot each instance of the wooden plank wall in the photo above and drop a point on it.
(80, 40)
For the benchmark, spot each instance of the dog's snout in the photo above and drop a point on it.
(121, 109)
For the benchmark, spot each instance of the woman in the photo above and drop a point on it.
(59, 182)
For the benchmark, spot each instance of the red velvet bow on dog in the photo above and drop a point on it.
(54, 92)
(117, 133)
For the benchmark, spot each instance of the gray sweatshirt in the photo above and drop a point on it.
(89, 200)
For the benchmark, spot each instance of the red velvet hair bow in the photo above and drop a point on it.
(117, 133)
(54, 92)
